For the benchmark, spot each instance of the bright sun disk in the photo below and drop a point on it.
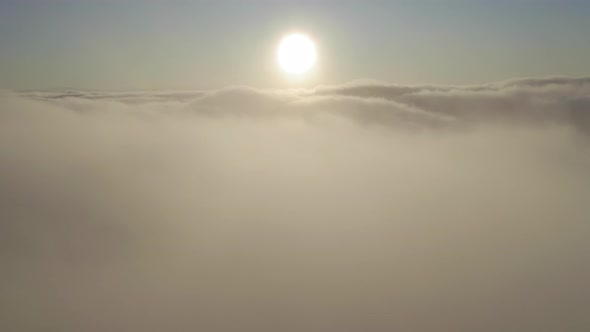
(297, 54)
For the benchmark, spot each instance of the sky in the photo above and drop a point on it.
(145, 44)
(160, 172)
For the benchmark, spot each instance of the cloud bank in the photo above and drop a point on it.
(361, 207)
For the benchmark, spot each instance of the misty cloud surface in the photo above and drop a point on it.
(361, 207)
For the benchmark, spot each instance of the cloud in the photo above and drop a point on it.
(560, 100)
(525, 99)
(353, 207)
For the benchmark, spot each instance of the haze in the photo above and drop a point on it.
(159, 172)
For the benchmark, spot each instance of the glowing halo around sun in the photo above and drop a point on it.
(297, 54)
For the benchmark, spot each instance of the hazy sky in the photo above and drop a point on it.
(203, 44)
(223, 201)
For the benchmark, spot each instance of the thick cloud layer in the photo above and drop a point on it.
(364, 207)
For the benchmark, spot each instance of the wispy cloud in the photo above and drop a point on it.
(563, 100)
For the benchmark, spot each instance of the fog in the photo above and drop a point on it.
(361, 207)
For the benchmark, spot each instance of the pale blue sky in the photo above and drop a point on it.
(196, 44)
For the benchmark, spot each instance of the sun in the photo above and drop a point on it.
(297, 54)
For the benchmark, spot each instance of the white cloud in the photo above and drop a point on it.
(299, 210)
(561, 100)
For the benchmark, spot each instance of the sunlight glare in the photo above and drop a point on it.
(297, 54)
